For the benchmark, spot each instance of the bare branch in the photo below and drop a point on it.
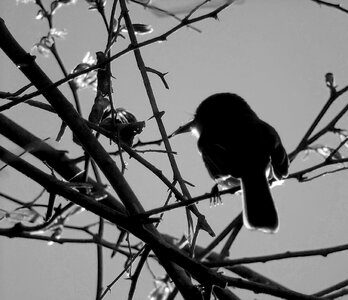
(262, 259)
(331, 289)
(265, 289)
(177, 176)
(7, 95)
(130, 48)
(300, 175)
(306, 140)
(160, 75)
(333, 5)
(164, 12)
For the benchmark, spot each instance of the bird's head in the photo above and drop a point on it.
(214, 109)
(220, 106)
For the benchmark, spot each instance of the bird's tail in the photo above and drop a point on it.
(259, 211)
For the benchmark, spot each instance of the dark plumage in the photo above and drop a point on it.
(234, 141)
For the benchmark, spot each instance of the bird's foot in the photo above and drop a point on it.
(215, 198)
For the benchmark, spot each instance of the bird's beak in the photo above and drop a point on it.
(188, 127)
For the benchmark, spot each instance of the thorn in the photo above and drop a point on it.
(158, 115)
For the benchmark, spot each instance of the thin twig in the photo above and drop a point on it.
(307, 140)
(267, 289)
(125, 269)
(337, 294)
(221, 236)
(162, 37)
(334, 152)
(7, 95)
(299, 175)
(333, 5)
(331, 289)
(100, 260)
(137, 271)
(160, 75)
(177, 176)
(266, 258)
(194, 9)
(165, 12)
(185, 203)
(54, 51)
(236, 230)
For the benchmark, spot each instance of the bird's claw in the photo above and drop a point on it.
(215, 198)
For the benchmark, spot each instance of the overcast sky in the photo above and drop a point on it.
(273, 53)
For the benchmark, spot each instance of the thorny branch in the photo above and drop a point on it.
(121, 53)
(74, 192)
(332, 5)
(157, 114)
(262, 259)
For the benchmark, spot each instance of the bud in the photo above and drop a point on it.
(330, 80)
(140, 29)
(100, 107)
(125, 126)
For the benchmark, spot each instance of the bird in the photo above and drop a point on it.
(236, 145)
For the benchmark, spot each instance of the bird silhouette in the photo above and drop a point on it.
(236, 144)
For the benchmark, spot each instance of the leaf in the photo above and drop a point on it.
(100, 107)
(142, 29)
(55, 33)
(88, 79)
(46, 42)
(67, 2)
(125, 131)
(56, 234)
(61, 132)
(54, 6)
(43, 50)
(124, 116)
(161, 291)
(40, 15)
(94, 4)
(306, 154)
(139, 29)
(125, 125)
(326, 151)
(20, 215)
(89, 59)
(114, 25)
(343, 135)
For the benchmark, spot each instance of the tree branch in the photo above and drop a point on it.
(333, 5)
(262, 259)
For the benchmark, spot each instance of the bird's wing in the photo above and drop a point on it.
(215, 157)
(279, 157)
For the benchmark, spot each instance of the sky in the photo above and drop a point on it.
(274, 53)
